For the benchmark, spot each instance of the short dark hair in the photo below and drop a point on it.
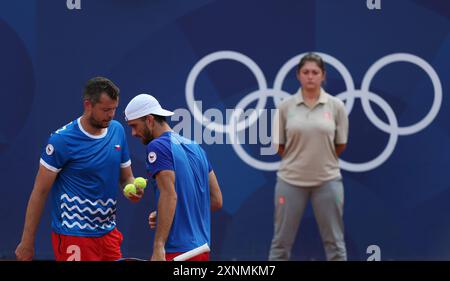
(158, 118)
(98, 85)
(311, 57)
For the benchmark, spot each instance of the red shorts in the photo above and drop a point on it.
(76, 248)
(201, 257)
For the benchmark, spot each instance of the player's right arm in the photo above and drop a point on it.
(167, 204)
(214, 192)
(279, 132)
(42, 185)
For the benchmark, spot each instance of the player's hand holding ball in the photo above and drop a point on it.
(135, 191)
(140, 182)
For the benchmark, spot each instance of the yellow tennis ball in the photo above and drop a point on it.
(140, 182)
(129, 188)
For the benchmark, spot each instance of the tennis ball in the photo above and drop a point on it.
(129, 188)
(140, 182)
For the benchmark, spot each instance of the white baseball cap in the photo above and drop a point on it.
(143, 105)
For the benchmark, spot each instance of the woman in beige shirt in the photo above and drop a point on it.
(311, 130)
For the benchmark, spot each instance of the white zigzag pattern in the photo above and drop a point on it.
(65, 214)
(109, 210)
(86, 225)
(81, 201)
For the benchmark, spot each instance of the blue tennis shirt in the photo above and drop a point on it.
(191, 223)
(85, 190)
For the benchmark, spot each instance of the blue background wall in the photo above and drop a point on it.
(48, 52)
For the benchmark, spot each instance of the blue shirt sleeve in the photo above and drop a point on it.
(55, 154)
(159, 157)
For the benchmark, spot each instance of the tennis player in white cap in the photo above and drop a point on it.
(187, 188)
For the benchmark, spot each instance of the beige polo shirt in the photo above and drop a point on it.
(309, 136)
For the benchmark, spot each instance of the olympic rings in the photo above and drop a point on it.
(349, 96)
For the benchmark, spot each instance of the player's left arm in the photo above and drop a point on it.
(214, 192)
(341, 135)
(167, 204)
(126, 177)
(340, 148)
